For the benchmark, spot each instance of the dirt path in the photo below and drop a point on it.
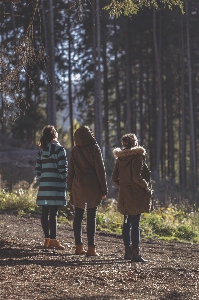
(28, 271)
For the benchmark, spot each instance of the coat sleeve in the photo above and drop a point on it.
(100, 170)
(62, 164)
(71, 172)
(38, 166)
(137, 172)
(115, 175)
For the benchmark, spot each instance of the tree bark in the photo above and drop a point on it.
(128, 104)
(160, 100)
(106, 104)
(98, 100)
(191, 116)
(70, 82)
(51, 109)
(183, 134)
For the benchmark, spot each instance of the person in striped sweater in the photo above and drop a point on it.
(51, 171)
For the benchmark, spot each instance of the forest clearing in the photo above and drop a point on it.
(29, 271)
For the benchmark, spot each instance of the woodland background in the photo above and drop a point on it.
(135, 73)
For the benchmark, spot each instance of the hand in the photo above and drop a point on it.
(103, 197)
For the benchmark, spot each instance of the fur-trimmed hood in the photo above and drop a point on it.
(118, 152)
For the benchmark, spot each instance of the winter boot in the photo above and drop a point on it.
(55, 244)
(79, 250)
(46, 242)
(136, 257)
(128, 253)
(91, 251)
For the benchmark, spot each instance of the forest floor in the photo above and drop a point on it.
(29, 271)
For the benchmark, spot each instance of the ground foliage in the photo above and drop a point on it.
(28, 271)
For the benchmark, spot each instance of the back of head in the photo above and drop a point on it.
(48, 134)
(129, 140)
(84, 136)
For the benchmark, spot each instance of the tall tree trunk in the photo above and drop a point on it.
(70, 81)
(160, 100)
(98, 100)
(169, 107)
(191, 116)
(141, 95)
(106, 106)
(47, 53)
(183, 134)
(116, 79)
(128, 104)
(51, 109)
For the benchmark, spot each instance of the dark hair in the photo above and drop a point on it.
(48, 134)
(129, 140)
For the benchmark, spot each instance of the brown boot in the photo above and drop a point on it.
(55, 244)
(128, 253)
(46, 242)
(91, 251)
(136, 257)
(79, 250)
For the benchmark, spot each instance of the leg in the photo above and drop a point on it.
(54, 243)
(135, 231)
(126, 231)
(77, 225)
(44, 220)
(91, 230)
(91, 225)
(126, 234)
(135, 235)
(53, 221)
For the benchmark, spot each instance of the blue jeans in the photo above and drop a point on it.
(131, 231)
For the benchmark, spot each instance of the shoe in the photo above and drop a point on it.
(91, 251)
(136, 257)
(53, 243)
(79, 250)
(46, 242)
(128, 253)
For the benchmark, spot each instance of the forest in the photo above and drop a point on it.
(72, 63)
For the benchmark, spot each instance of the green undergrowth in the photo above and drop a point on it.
(19, 201)
(174, 222)
(166, 223)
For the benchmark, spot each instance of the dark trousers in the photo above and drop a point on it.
(91, 225)
(131, 231)
(49, 220)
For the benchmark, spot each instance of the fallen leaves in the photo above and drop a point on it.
(28, 271)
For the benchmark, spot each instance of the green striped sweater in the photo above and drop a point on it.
(52, 170)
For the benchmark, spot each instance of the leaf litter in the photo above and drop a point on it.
(29, 271)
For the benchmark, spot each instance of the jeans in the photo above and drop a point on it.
(91, 225)
(131, 231)
(49, 220)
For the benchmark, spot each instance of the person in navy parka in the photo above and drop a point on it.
(51, 170)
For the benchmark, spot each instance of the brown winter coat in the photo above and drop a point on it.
(133, 198)
(86, 172)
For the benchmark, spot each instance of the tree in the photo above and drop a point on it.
(130, 7)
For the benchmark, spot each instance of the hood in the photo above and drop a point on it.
(84, 136)
(126, 155)
(47, 151)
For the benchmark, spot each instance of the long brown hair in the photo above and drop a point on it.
(48, 134)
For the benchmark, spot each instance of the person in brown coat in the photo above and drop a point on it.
(134, 192)
(86, 184)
